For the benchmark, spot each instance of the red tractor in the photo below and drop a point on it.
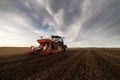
(52, 45)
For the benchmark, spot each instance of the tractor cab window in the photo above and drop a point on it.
(58, 39)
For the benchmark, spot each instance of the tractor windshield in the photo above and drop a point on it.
(58, 39)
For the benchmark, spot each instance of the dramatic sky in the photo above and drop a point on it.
(83, 23)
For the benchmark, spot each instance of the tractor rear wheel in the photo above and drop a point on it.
(59, 47)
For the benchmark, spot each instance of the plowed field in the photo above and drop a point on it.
(74, 64)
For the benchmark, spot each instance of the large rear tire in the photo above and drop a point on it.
(65, 47)
(59, 47)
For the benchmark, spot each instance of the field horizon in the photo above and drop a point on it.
(7, 51)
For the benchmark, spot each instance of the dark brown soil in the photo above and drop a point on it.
(74, 64)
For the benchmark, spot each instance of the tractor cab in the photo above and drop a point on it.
(57, 38)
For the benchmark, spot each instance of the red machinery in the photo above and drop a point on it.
(49, 46)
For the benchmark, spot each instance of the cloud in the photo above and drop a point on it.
(82, 22)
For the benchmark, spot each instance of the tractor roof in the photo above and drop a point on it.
(56, 36)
